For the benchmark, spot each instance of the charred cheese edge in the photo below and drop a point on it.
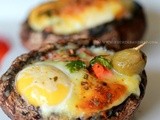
(65, 17)
(87, 96)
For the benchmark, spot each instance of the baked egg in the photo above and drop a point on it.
(78, 86)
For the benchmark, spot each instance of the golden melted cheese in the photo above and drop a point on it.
(72, 16)
(54, 89)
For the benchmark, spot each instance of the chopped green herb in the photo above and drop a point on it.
(76, 65)
(55, 78)
(48, 13)
(101, 60)
(85, 76)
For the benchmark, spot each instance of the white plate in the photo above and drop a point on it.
(13, 13)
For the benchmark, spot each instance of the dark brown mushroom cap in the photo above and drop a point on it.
(16, 108)
(116, 35)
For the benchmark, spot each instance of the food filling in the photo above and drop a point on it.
(65, 17)
(80, 82)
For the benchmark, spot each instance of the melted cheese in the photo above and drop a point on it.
(71, 16)
(73, 94)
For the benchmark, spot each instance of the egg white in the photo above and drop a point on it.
(69, 103)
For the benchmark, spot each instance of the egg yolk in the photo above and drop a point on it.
(43, 85)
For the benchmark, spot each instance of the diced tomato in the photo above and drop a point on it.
(4, 48)
(100, 71)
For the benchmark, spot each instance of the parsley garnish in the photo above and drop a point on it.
(75, 65)
(101, 60)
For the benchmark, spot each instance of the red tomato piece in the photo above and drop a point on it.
(100, 71)
(4, 48)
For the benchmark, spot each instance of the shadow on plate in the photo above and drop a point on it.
(152, 97)
(152, 34)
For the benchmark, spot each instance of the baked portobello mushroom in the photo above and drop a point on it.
(119, 24)
(74, 82)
